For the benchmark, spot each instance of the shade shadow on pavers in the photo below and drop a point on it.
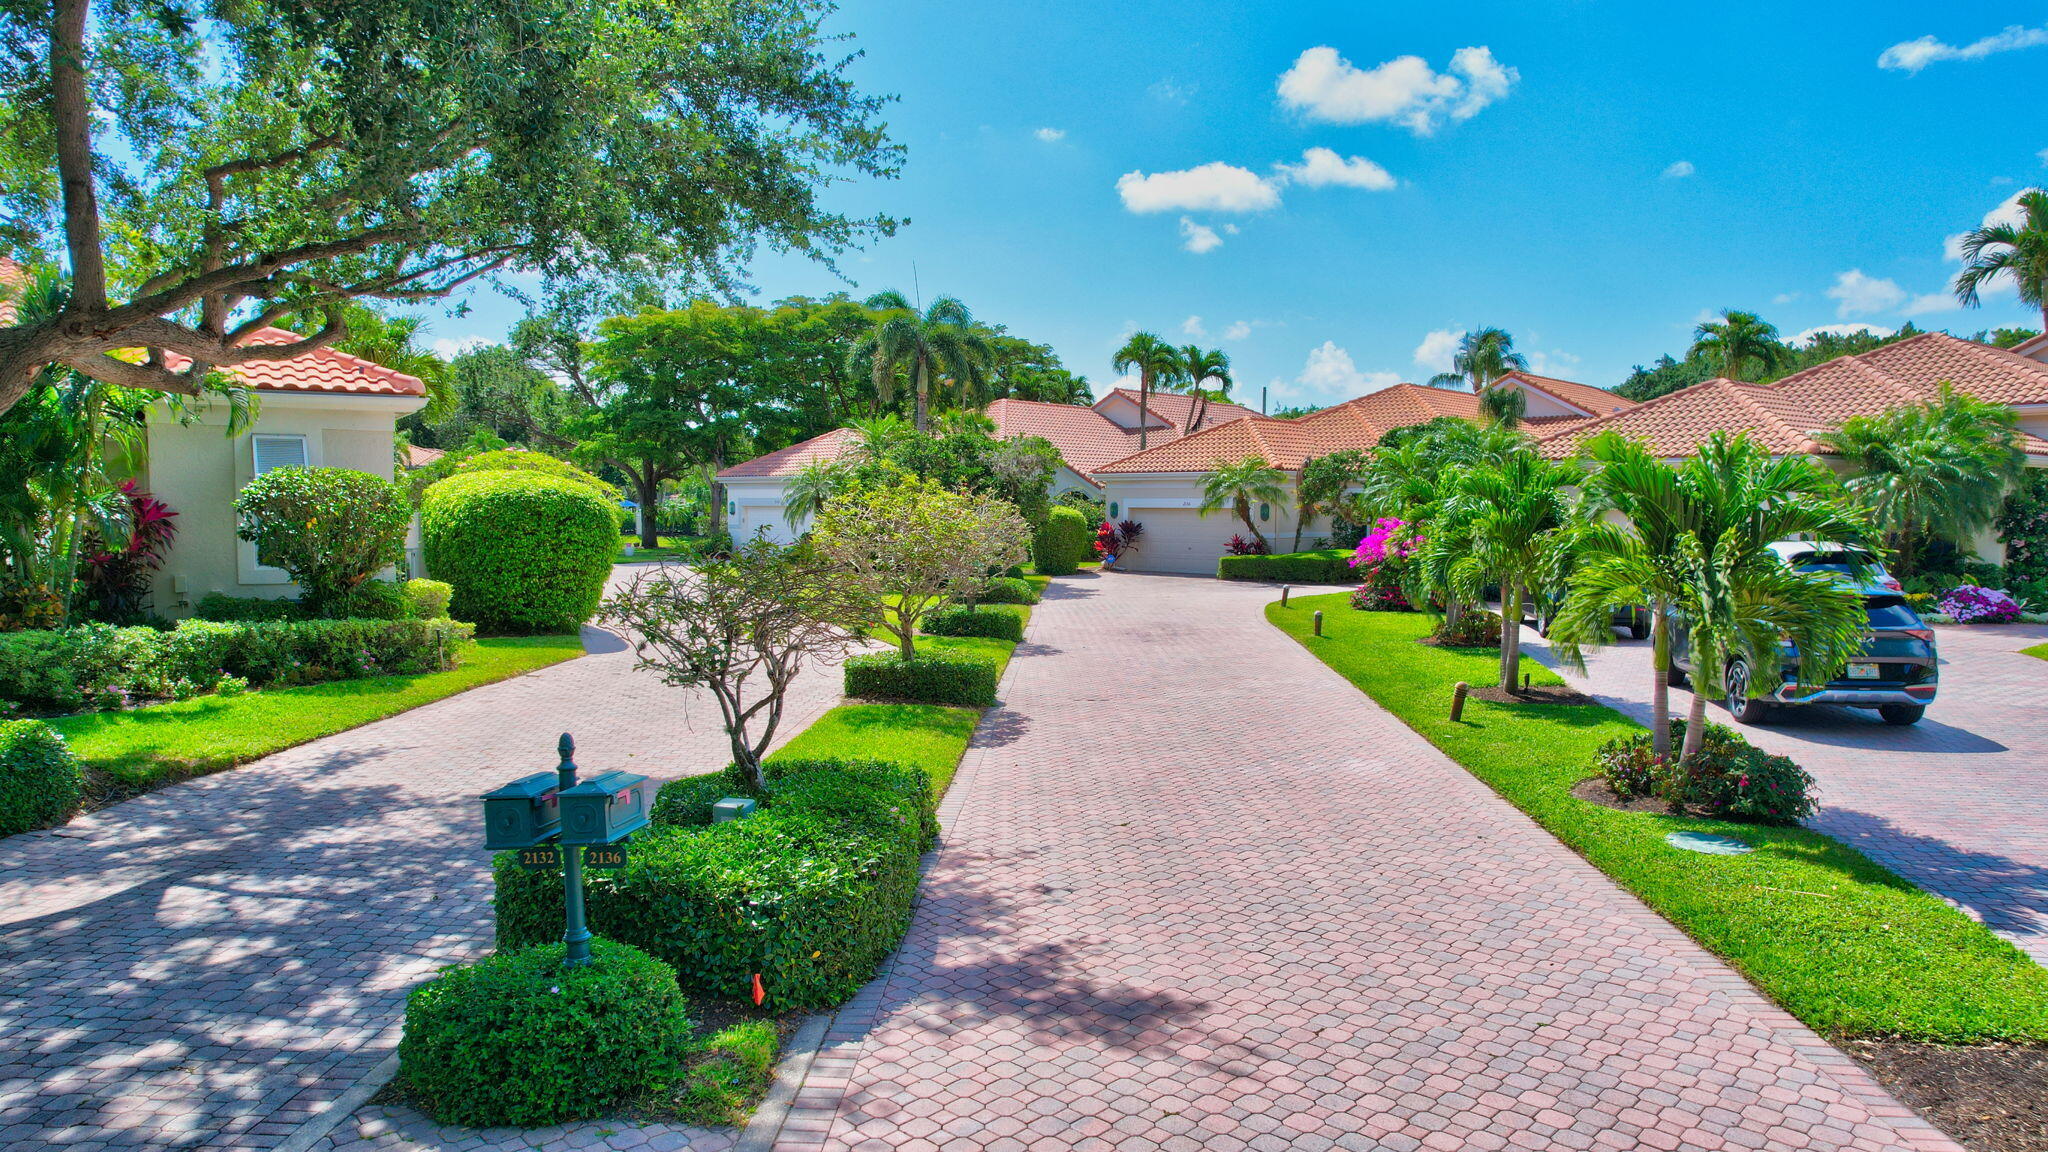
(2010, 896)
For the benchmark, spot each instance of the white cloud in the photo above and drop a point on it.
(1860, 295)
(1167, 92)
(1555, 362)
(448, 348)
(1238, 330)
(1198, 238)
(1192, 326)
(1330, 376)
(1784, 297)
(1931, 302)
(1405, 90)
(1212, 187)
(1841, 330)
(1679, 170)
(1321, 167)
(1437, 348)
(1913, 55)
(1051, 135)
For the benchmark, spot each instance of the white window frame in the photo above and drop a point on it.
(249, 570)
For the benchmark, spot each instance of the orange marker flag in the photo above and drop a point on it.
(760, 993)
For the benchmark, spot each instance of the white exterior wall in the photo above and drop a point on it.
(756, 503)
(1177, 537)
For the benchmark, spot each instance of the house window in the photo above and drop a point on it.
(272, 451)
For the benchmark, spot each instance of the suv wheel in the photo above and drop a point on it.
(1675, 675)
(1902, 714)
(1638, 628)
(1741, 708)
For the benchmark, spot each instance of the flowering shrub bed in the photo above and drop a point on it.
(1112, 540)
(1381, 559)
(1970, 604)
(1728, 778)
(1239, 546)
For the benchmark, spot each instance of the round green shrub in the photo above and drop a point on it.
(372, 600)
(428, 599)
(993, 623)
(509, 460)
(331, 529)
(930, 678)
(517, 1039)
(40, 782)
(1008, 590)
(1059, 546)
(524, 553)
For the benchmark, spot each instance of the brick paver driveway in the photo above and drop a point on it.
(1957, 803)
(212, 964)
(1198, 892)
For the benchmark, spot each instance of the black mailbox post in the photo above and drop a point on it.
(551, 806)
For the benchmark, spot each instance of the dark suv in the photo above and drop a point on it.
(1897, 672)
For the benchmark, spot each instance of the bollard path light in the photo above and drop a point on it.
(1319, 621)
(1284, 590)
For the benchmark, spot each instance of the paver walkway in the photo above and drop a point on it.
(1198, 892)
(1957, 803)
(210, 965)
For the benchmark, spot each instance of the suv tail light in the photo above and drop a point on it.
(1892, 582)
(1923, 634)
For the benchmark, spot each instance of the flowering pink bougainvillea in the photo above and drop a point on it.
(1969, 604)
(1389, 538)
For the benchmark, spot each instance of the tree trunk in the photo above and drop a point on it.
(1510, 634)
(71, 113)
(923, 396)
(1144, 404)
(716, 492)
(1660, 683)
(648, 492)
(1695, 722)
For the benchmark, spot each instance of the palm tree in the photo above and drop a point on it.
(878, 436)
(1414, 477)
(1197, 368)
(811, 489)
(1156, 362)
(1485, 355)
(1510, 510)
(1238, 484)
(1935, 470)
(942, 338)
(2018, 250)
(1504, 407)
(1696, 543)
(1737, 341)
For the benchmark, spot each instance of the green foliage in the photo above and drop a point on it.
(525, 553)
(243, 609)
(331, 529)
(1668, 375)
(1238, 484)
(509, 460)
(428, 599)
(1328, 566)
(1840, 942)
(995, 622)
(40, 780)
(1740, 345)
(930, 678)
(729, 1071)
(2023, 526)
(927, 737)
(519, 1040)
(1006, 590)
(942, 339)
(812, 892)
(1728, 778)
(372, 600)
(1062, 542)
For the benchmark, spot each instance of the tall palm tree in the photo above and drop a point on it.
(942, 339)
(811, 489)
(2016, 250)
(1238, 485)
(1485, 355)
(877, 436)
(1156, 362)
(1415, 478)
(1936, 470)
(1737, 343)
(1504, 406)
(1510, 510)
(1696, 543)
(1198, 367)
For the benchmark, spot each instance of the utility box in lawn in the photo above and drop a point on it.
(605, 808)
(523, 813)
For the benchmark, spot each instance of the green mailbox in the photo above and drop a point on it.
(523, 813)
(605, 808)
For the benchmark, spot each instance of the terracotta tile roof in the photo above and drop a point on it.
(1354, 424)
(1598, 401)
(324, 370)
(1787, 414)
(417, 457)
(1177, 408)
(2037, 348)
(791, 460)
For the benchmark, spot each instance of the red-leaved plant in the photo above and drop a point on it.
(116, 581)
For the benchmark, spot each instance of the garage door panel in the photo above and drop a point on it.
(1179, 540)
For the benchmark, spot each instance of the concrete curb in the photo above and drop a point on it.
(766, 1125)
(308, 1134)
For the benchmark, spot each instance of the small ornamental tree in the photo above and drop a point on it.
(329, 528)
(919, 545)
(742, 627)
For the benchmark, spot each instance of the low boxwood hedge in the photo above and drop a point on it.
(1007, 590)
(996, 622)
(811, 893)
(516, 1039)
(929, 678)
(39, 778)
(1329, 566)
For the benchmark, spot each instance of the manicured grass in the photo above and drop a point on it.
(147, 747)
(1840, 941)
(672, 548)
(928, 736)
(2038, 651)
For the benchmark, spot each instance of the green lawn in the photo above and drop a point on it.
(672, 548)
(1841, 942)
(928, 736)
(2038, 651)
(144, 748)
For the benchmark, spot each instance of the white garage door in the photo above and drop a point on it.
(753, 517)
(1179, 540)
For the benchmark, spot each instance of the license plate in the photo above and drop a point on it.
(1863, 671)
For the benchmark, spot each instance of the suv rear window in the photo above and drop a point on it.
(1891, 612)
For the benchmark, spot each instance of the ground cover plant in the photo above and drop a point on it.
(1841, 942)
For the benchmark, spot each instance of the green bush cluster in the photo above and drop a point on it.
(95, 666)
(508, 460)
(374, 600)
(1728, 778)
(428, 599)
(332, 529)
(930, 678)
(812, 892)
(526, 553)
(516, 1039)
(40, 782)
(1007, 590)
(994, 622)
(246, 609)
(1329, 566)
(1060, 544)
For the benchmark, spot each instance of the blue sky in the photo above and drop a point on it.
(1330, 192)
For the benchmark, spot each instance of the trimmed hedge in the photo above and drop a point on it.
(40, 782)
(812, 892)
(993, 623)
(94, 666)
(1330, 566)
(428, 599)
(1065, 539)
(526, 553)
(245, 609)
(1008, 590)
(516, 1039)
(932, 678)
